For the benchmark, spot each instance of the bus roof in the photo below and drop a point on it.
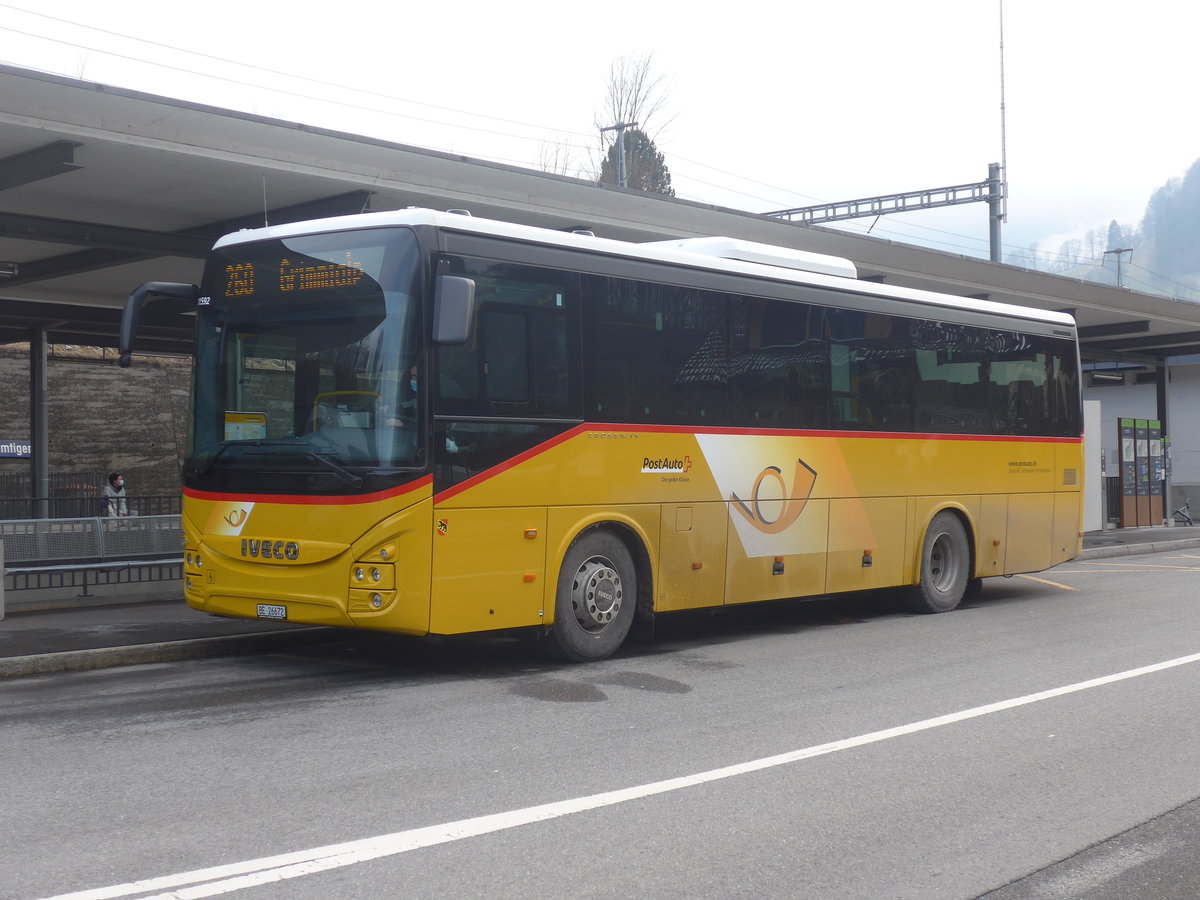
(719, 254)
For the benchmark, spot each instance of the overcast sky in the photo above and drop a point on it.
(774, 105)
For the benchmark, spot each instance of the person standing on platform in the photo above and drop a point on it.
(114, 495)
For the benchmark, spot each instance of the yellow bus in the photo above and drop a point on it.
(432, 423)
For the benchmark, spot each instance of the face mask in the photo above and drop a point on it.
(120, 482)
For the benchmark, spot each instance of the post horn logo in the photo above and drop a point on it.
(792, 501)
(236, 518)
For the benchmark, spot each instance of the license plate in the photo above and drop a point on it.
(267, 611)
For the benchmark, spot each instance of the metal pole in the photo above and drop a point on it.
(39, 431)
(622, 179)
(1118, 253)
(1162, 381)
(619, 128)
(1003, 126)
(995, 209)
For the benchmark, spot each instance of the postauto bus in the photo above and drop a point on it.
(432, 423)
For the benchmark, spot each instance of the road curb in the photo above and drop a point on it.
(165, 651)
(1131, 549)
(226, 645)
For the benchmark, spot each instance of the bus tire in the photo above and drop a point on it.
(945, 566)
(596, 598)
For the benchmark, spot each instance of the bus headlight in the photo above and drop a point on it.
(380, 576)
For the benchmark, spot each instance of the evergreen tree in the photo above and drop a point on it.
(1116, 236)
(1172, 222)
(645, 169)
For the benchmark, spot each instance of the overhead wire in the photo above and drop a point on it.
(1162, 277)
(258, 68)
(277, 90)
(891, 225)
(587, 148)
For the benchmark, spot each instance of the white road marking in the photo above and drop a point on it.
(225, 879)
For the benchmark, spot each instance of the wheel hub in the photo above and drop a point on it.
(943, 562)
(596, 594)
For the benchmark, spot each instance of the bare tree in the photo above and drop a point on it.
(634, 109)
(633, 93)
(558, 158)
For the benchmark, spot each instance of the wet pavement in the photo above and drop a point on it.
(76, 638)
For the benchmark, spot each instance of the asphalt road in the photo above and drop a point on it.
(1038, 743)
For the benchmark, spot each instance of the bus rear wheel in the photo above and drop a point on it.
(596, 599)
(945, 566)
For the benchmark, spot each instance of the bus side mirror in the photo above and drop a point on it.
(132, 314)
(453, 302)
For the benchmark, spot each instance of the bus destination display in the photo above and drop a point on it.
(294, 276)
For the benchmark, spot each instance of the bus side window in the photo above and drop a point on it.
(951, 390)
(506, 358)
(1065, 398)
(516, 361)
(874, 371)
(779, 364)
(1021, 388)
(657, 353)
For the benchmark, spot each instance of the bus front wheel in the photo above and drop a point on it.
(945, 566)
(596, 598)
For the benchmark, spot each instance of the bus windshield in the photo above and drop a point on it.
(308, 366)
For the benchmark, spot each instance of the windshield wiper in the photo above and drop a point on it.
(342, 473)
(203, 470)
(211, 462)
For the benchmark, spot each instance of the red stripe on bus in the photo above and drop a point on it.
(826, 433)
(309, 500)
(489, 474)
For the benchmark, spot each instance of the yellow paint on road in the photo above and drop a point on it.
(1065, 587)
(1137, 567)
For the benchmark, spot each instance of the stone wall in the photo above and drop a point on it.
(102, 418)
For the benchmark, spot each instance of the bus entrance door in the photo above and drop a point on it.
(488, 569)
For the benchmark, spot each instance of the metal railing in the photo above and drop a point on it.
(82, 505)
(30, 543)
(78, 553)
(60, 484)
(84, 577)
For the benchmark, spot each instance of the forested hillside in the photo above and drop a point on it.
(1161, 254)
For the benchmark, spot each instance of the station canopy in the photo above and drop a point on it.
(103, 188)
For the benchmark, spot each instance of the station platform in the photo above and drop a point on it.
(76, 638)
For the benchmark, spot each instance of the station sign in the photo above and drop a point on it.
(15, 449)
